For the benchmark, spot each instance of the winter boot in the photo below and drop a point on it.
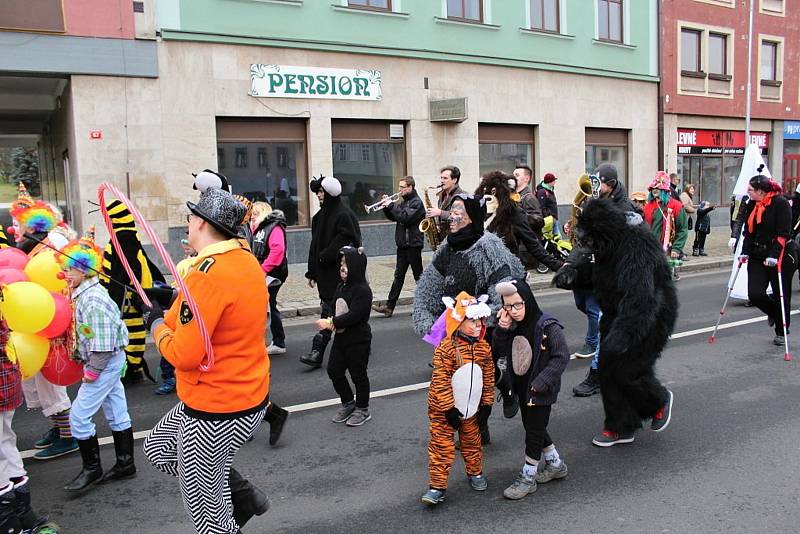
(9, 522)
(314, 358)
(589, 386)
(695, 251)
(276, 417)
(22, 506)
(247, 499)
(123, 447)
(386, 309)
(702, 252)
(92, 471)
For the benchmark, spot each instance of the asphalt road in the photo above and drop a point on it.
(728, 462)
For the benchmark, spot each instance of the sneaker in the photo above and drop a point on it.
(589, 386)
(551, 473)
(60, 447)
(510, 406)
(47, 439)
(675, 276)
(608, 438)
(478, 482)
(166, 387)
(359, 417)
(663, 415)
(521, 487)
(587, 351)
(778, 340)
(344, 412)
(274, 349)
(433, 497)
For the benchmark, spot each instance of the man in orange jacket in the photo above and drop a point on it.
(222, 403)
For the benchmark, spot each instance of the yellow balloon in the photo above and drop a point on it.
(29, 351)
(27, 307)
(43, 269)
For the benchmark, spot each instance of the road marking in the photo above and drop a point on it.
(423, 385)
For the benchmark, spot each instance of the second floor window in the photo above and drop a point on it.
(690, 51)
(769, 60)
(717, 54)
(470, 10)
(609, 20)
(544, 15)
(374, 4)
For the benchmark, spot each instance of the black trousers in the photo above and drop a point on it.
(323, 337)
(405, 257)
(275, 319)
(699, 240)
(535, 420)
(630, 390)
(353, 359)
(759, 276)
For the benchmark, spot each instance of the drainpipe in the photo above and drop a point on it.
(661, 157)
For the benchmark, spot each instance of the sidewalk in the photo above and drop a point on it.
(297, 299)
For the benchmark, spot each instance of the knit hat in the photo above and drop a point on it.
(549, 178)
(221, 210)
(207, 178)
(607, 174)
(465, 306)
(660, 181)
(82, 254)
(33, 215)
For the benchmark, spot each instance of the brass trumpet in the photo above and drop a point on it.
(382, 203)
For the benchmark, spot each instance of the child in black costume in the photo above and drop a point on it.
(351, 344)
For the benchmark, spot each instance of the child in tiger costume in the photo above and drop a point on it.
(463, 351)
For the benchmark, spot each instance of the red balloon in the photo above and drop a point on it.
(60, 369)
(13, 258)
(9, 275)
(61, 319)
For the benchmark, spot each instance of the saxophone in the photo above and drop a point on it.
(430, 225)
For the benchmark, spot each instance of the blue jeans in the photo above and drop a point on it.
(107, 391)
(586, 303)
(167, 370)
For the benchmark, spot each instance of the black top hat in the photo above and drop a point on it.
(219, 209)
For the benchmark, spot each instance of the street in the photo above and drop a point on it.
(727, 463)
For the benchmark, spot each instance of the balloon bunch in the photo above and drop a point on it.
(39, 315)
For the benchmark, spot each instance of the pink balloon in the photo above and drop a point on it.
(60, 369)
(62, 318)
(13, 258)
(9, 275)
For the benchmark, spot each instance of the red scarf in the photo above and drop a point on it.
(758, 211)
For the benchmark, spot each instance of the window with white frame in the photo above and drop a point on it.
(382, 5)
(469, 10)
(717, 54)
(705, 54)
(609, 20)
(772, 7)
(690, 50)
(544, 15)
(769, 61)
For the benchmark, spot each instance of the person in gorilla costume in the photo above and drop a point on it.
(633, 285)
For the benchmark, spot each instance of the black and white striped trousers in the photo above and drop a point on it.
(200, 454)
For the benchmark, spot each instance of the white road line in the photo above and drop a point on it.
(423, 385)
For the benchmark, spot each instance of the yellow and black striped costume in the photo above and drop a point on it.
(441, 448)
(4, 241)
(125, 228)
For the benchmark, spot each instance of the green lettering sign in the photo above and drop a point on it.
(290, 79)
(275, 80)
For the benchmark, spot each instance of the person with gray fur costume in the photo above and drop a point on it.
(633, 285)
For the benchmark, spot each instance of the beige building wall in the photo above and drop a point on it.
(157, 131)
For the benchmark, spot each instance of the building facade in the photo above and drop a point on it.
(273, 92)
(703, 91)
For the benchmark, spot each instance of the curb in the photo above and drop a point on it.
(539, 282)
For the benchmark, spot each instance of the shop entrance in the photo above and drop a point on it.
(791, 172)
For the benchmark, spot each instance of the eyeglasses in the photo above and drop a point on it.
(516, 306)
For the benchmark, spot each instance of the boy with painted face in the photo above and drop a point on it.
(461, 394)
(535, 351)
(101, 338)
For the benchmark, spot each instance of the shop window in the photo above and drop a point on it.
(378, 5)
(607, 146)
(267, 162)
(713, 177)
(544, 15)
(609, 20)
(468, 10)
(504, 146)
(368, 162)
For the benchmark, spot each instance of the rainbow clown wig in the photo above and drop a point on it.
(33, 215)
(82, 254)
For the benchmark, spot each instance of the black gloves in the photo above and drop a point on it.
(453, 417)
(152, 314)
(484, 411)
(163, 295)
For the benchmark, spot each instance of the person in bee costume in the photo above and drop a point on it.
(144, 270)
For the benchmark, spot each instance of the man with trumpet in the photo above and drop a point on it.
(407, 236)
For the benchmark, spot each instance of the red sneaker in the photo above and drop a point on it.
(663, 415)
(609, 438)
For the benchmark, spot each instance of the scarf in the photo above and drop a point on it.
(549, 187)
(758, 211)
(463, 239)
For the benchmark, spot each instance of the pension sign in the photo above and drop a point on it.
(282, 81)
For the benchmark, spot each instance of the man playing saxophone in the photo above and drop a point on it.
(407, 236)
(449, 177)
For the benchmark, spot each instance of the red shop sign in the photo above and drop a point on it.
(720, 138)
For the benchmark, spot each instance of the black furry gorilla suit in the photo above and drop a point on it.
(633, 285)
